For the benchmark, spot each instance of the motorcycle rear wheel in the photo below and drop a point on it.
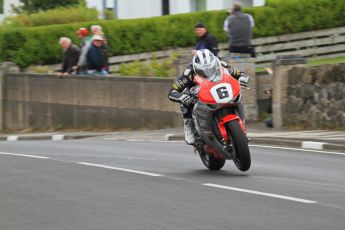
(211, 162)
(241, 158)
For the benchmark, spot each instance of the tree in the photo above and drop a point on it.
(31, 6)
(1, 6)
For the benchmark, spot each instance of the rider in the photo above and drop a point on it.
(205, 64)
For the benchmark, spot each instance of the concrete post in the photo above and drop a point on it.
(181, 62)
(280, 84)
(5, 67)
(247, 64)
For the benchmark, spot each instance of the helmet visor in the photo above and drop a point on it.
(211, 72)
(207, 65)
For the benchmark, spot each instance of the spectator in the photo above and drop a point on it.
(240, 31)
(70, 56)
(95, 57)
(97, 30)
(226, 21)
(84, 47)
(206, 40)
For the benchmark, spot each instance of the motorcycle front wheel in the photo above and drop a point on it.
(210, 161)
(241, 157)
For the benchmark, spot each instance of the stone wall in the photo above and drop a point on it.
(304, 97)
(45, 102)
(311, 97)
(316, 97)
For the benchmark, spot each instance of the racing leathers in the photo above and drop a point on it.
(186, 82)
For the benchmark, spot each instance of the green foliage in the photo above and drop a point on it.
(109, 15)
(39, 45)
(264, 116)
(290, 16)
(153, 68)
(1, 6)
(323, 61)
(31, 6)
(70, 15)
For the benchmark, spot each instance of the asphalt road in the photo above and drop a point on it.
(46, 185)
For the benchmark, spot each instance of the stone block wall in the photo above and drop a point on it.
(314, 97)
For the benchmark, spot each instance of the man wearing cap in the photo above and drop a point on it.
(95, 58)
(97, 30)
(206, 40)
(84, 47)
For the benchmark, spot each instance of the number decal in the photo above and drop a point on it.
(222, 93)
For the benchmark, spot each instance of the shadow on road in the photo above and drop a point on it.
(221, 173)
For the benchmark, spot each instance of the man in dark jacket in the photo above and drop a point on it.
(95, 58)
(206, 40)
(70, 56)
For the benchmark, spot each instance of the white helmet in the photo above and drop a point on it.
(207, 65)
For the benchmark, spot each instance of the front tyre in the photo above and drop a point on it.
(210, 161)
(240, 145)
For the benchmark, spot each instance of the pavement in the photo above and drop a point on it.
(258, 133)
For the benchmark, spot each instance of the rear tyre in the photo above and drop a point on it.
(241, 158)
(210, 161)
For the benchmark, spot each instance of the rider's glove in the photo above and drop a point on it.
(186, 100)
(243, 80)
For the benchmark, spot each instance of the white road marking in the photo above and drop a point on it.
(23, 155)
(58, 137)
(141, 140)
(12, 138)
(297, 149)
(120, 169)
(262, 193)
(312, 145)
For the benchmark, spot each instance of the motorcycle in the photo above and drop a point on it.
(219, 131)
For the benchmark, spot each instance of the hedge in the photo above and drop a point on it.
(39, 45)
(53, 16)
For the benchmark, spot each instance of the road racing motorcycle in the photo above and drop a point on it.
(219, 131)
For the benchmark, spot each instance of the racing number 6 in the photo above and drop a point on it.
(222, 93)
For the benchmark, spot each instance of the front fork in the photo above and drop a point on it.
(222, 128)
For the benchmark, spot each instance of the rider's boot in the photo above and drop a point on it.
(189, 131)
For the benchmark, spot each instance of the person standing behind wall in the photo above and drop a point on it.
(70, 56)
(97, 30)
(95, 59)
(240, 31)
(206, 40)
(84, 47)
(226, 22)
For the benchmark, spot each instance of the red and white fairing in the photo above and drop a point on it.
(221, 92)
